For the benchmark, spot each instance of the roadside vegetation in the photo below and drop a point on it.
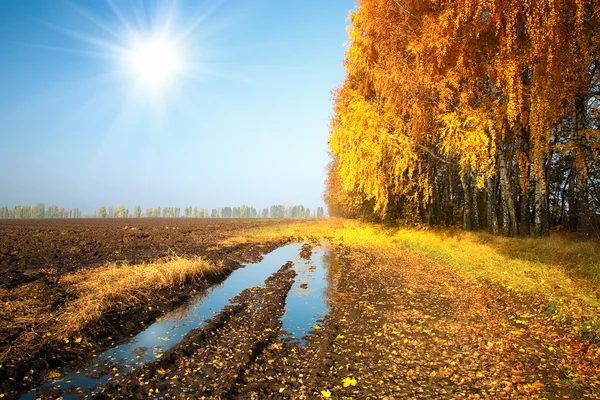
(483, 114)
(99, 289)
(561, 270)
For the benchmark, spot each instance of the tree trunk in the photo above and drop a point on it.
(541, 207)
(450, 200)
(525, 222)
(475, 209)
(572, 199)
(468, 203)
(436, 200)
(525, 226)
(509, 214)
(492, 216)
(583, 217)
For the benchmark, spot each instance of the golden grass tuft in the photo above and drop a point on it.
(99, 289)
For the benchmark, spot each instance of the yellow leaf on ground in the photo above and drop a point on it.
(349, 382)
(52, 375)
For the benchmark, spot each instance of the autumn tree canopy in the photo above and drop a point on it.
(483, 110)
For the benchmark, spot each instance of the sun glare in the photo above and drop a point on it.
(150, 45)
(153, 62)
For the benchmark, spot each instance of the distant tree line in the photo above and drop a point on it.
(39, 210)
(243, 211)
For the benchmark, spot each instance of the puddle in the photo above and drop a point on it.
(305, 304)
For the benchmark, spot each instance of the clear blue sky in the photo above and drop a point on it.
(242, 118)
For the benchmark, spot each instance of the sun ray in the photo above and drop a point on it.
(100, 24)
(199, 20)
(155, 48)
(206, 71)
(111, 47)
(122, 19)
(170, 15)
(141, 17)
(90, 53)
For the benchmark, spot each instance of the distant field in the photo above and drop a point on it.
(30, 249)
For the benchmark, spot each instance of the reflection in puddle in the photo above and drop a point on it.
(306, 303)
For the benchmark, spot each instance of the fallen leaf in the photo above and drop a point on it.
(52, 375)
(349, 382)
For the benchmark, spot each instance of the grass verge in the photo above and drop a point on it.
(561, 269)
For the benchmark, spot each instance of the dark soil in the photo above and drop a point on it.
(37, 249)
(395, 331)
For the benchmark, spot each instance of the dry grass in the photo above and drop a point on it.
(99, 289)
(94, 292)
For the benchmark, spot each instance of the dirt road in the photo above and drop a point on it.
(395, 330)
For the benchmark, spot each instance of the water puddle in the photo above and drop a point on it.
(305, 304)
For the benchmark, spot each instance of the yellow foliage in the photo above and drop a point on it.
(432, 85)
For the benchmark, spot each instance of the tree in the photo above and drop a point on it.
(320, 212)
(39, 210)
(460, 107)
(121, 211)
(102, 212)
(137, 211)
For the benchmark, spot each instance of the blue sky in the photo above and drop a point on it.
(242, 120)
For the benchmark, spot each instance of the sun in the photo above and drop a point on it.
(154, 62)
(151, 47)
